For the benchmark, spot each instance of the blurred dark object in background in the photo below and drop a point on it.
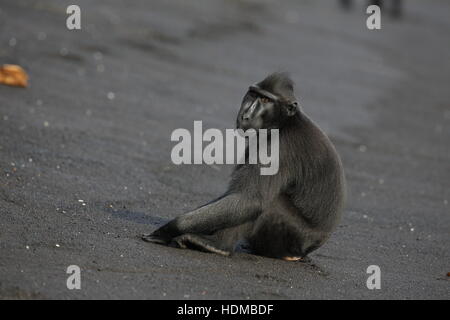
(394, 6)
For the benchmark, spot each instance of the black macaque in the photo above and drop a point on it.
(286, 215)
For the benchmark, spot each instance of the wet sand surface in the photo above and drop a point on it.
(95, 125)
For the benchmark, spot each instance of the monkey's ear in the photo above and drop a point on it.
(291, 108)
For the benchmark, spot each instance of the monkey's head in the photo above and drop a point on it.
(268, 104)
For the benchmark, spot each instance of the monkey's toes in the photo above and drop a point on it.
(304, 259)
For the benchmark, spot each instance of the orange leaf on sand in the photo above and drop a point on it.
(13, 75)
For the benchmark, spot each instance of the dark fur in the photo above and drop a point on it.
(288, 214)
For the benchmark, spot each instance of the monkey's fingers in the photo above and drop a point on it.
(153, 239)
(180, 242)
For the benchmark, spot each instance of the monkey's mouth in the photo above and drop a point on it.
(246, 125)
(243, 125)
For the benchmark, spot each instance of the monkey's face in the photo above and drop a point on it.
(261, 110)
(255, 111)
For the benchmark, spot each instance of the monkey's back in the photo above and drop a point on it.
(318, 188)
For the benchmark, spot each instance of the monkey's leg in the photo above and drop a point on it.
(226, 212)
(192, 240)
(282, 232)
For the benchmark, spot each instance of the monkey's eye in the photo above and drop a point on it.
(265, 100)
(251, 95)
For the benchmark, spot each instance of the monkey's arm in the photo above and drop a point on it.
(228, 211)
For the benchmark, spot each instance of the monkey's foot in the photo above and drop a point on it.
(304, 259)
(191, 240)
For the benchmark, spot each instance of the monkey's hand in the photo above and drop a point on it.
(162, 235)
